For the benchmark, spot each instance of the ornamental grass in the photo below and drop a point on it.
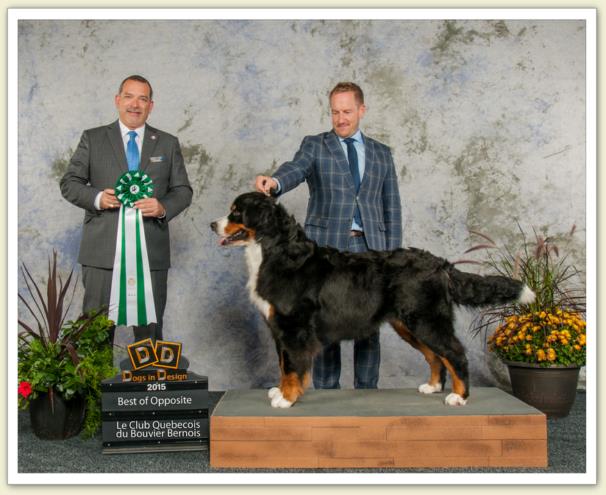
(552, 329)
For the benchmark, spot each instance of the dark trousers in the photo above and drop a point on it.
(97, 290)
(367, 352)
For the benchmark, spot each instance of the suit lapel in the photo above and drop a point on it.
(150, 139)
(115, 138)
(334, 146)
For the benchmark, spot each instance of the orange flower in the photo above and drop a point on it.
(551, 354)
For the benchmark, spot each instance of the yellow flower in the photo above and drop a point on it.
(542, 336)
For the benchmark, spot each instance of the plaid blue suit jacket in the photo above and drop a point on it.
(322, 163)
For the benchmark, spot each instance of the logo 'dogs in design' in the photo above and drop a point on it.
(163, 355)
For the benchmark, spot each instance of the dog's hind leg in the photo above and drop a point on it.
(452, 354)
(437, 369)
(460, 383)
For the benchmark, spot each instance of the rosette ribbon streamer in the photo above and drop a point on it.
(132, 299)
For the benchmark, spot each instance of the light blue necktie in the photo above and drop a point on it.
(352, 158)
(132, 152)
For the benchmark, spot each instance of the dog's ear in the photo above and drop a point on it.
(262, 215)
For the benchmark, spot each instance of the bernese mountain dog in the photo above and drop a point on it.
(312, 296)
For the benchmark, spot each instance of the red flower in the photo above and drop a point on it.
(24, 389)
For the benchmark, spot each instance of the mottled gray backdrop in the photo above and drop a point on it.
(486, 120)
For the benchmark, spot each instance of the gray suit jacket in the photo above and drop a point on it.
(97, 164)
(332, 197)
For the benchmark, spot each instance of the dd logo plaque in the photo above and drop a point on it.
(158, 405)
(163, 355)
(168, 354)
(142, 354)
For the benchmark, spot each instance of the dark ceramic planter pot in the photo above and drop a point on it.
(551, 390)
(56, 418)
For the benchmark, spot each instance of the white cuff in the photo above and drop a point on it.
(279, 188)
(98, 201)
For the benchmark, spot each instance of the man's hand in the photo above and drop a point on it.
(150, 207)
(265, 184)
(108, 200)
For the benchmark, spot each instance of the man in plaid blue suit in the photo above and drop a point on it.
(354, 205)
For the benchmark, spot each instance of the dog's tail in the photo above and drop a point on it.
(469, 289)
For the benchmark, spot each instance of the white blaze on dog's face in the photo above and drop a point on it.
(232, 230)
(251, 215)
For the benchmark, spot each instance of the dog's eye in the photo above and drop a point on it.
(236, 215)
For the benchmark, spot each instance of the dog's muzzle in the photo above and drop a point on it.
(218, 227)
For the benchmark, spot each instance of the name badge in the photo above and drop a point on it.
(156, 159)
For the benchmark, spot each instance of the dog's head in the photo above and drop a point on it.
(252, 216)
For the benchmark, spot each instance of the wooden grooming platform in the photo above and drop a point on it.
(397, 428)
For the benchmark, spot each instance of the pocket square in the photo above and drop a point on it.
(156, 159)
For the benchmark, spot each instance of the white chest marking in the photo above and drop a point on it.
(254, 257)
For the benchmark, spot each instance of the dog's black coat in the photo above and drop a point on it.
(320, 295)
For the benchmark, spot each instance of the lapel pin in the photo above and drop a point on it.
(153, 136)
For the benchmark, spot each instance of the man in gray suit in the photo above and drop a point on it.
(99, 160)
(354, 205)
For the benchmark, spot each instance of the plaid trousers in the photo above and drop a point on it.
(367, 352)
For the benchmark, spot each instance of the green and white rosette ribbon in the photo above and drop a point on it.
(132, 298)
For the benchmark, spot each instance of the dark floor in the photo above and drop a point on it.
(566, 444)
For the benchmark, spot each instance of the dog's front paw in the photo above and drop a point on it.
(278, 400)
(281, 403)
(273, 392)
(427, 388)
(455, 400)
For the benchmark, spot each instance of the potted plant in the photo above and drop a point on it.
(61, 363)
(542, 343)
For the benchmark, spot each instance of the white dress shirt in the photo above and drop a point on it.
(125, 138)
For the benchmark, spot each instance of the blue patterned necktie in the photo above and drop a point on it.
(132, 152)
(352, 157)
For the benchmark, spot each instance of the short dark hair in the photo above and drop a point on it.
(344, 87)
(140, 79)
